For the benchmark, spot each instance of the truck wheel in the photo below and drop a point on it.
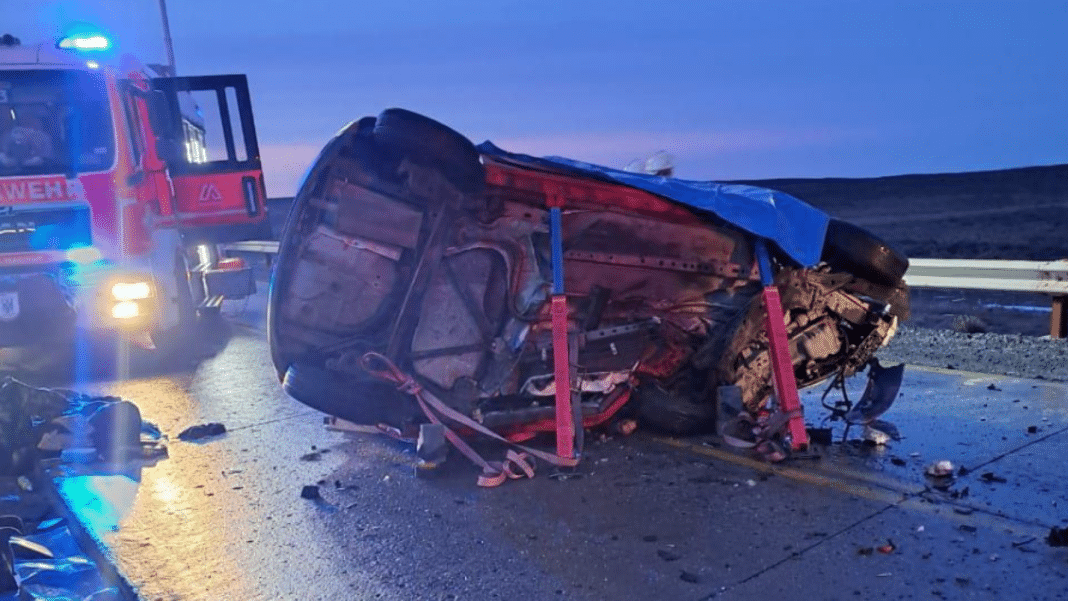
(176, 340)
(427, 141)
(853, 249)
(360, 401)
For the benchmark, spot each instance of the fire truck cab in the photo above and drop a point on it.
(116, 186)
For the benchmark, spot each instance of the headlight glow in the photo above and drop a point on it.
(129, 291)
(125, 310)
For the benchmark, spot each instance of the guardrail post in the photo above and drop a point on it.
(1058, 322)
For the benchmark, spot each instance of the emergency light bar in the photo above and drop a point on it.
(84, 42)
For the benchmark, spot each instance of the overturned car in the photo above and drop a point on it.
(409, 243)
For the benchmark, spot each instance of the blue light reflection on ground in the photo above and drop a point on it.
(99, 502)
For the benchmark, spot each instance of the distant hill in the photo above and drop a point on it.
(1005, 214)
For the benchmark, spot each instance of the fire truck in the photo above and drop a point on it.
(113, 201)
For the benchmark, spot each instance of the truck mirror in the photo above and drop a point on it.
(159, 115)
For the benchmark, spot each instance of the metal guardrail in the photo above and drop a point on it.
(1040, 277)
(1047, 277)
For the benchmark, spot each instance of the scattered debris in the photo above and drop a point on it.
(875, 437)
(47, 423)
(866, 551)
(897, 461)
(879, 394)
(625, 427)
(202, 431)
(565, 474)
(310, 492)
(690, 577)
(888, 548)
(992, 477)
(1058, 537)
(45, 562)
(941, 474)
(993, 387)
(940, 469)
(1032, 429)
(821, 436)
(667, 555)
(431, 447)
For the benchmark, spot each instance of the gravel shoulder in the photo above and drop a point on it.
(1015, 355)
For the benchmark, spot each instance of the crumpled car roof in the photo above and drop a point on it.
(795, 227)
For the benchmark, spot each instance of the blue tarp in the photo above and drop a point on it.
(792, 225)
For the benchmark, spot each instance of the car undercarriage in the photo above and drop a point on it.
(408, 242)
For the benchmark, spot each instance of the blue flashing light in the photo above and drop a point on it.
(85, 42)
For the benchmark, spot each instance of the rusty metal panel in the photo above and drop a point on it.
(367, 214)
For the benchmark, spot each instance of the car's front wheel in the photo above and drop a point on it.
(852, 249)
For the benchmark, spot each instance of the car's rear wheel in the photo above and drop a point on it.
(357, 400)
(853, 249)
(427, 141)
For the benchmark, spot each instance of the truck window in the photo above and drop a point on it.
(210, 127)
(54, 122)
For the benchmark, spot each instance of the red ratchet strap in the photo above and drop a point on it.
(515, 464)
(565, 421)
(782, 368)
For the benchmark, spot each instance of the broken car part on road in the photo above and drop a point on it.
(487, 278)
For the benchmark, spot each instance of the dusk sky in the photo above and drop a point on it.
(733, 89)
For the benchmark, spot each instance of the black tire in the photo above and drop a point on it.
(855, 250)
(357, 400)
(429, 142)
(176, 341)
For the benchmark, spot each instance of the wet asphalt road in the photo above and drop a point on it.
(649, 518)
